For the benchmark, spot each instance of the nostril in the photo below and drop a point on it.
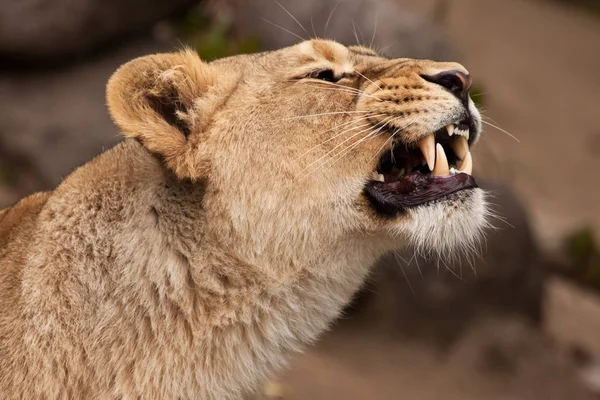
(456, 82)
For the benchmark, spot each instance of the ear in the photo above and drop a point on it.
(166, 101)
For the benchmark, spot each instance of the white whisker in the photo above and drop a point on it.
(355, 33)
(340, 133)
(329, 18)
(294, 18)
(283, 29)
(374, 30)
(404, 273)
(321, 114)
(501, 130)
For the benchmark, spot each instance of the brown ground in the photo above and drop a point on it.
(497, 359)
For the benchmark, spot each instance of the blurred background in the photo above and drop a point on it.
(520, 322)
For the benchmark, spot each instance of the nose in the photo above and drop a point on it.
(455, 81)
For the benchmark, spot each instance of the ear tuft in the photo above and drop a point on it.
(155, 98)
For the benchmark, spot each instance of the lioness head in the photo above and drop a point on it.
(311, 145)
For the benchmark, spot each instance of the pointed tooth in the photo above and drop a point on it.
(427, 146)
(460, 146)
(378, 177)
(441, 162)
(467, 164)
(450, 129)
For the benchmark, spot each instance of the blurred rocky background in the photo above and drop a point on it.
(519, 321)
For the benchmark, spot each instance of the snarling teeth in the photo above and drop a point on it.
(458, 129)
(438, 154)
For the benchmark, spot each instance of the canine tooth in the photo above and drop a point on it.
(450, 129)
(467, 164)
(378, 177)
(427, 146)
(460, 147)
(441, 162)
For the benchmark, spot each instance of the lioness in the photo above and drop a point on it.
(245, 207)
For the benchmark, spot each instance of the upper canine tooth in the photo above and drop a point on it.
(460, 146)
(467, 164)
(427, 146)
(450, 129)
(441, 162)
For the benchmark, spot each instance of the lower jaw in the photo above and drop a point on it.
(414, 190)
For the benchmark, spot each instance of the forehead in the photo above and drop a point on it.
(324, 52)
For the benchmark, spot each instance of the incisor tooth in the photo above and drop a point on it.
(467, 164)
(441, 162)
(427, 146)
(460, 147)
(450, 129)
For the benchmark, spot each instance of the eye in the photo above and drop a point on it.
(324, 75)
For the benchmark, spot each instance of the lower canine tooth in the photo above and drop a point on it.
(441, 162)
(378, 177)
(467, 164)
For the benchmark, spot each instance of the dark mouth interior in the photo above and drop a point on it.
(403, 178)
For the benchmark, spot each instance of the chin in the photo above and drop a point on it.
(448, 227)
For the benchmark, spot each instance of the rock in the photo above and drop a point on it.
(57, 119)
(48, 30)
(389, 25)
(437, 300)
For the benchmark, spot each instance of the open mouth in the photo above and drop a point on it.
(438, 165)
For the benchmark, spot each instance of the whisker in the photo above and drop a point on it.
(340, 133)
(404, 273)
(452, 272)
(501, 130)
(283, 29)
(398, 129)
(327, 113)
(414, 257)
(341, 86)
(312, 25)
(329, 18)
(346, 89)
(384, 49)
(331, 151)
(358, 72)
(294, 18)
(333, 137)
(355, 34)
(336, 147)
(355, 70)
(374, 30)
(348, 149)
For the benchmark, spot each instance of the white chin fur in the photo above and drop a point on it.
(448, 227)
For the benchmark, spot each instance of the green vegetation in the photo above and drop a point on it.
(213, 38)
(584, 258)
(478, 95)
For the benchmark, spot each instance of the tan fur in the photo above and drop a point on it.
(226, 232)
